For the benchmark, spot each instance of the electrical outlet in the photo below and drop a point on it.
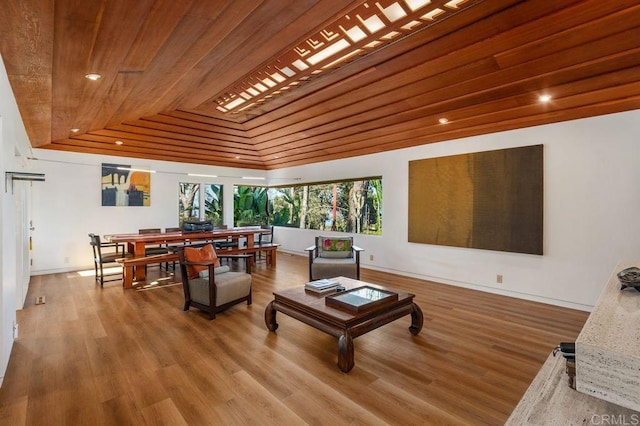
(15, 330)
(371, 257)
(499, 278)
(66, 260)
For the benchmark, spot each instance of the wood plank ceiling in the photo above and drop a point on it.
(166, 64)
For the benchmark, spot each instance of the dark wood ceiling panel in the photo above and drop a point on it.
(434, 100)
(26, 48)
(278, 21)
(75, 22)
(472, 127)
(116, 25)
(497, 111)
(229, 125)
(194, 38)
(212, 130)
(164, 65)
(176, 72)
(135, 132)
(152, 154)
(131, 140)
(178, 149)
(369, 73)
(576, 27)
(358, 73)
(473, 43)
(163, 18)
(158, 122)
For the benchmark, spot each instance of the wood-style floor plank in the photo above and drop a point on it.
(108, 356)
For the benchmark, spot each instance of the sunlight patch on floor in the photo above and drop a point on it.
(107, 271)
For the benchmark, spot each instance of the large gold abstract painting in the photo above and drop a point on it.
(489, 200)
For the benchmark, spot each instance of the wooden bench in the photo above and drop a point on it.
(270, 250)
(129, 263)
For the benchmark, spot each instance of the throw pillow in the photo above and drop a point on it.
(335, 247)
(216, 271)
(202, 254)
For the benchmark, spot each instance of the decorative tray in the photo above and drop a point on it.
(361, 299)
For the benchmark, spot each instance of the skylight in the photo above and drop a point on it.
(368, 26)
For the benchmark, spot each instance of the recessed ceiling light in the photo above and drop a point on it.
(93, 77)
(443, 120)
(75, 130)
(237, 157)
(119, 143)
(544, 98)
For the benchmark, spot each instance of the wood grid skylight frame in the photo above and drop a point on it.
(368, 26)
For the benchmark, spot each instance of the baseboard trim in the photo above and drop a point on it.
(474, 286)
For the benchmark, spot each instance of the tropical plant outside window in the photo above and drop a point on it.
(251, 205)
(190, 202)
(347, 206)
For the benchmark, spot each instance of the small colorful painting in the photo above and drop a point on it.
(122, 186)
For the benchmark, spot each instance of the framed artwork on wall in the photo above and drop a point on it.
(489, 200)
(124, 186)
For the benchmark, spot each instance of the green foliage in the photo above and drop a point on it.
(351, 206)
(285, 203)
(251, 206)
(357, 206)
(213, 203)
(189, 203)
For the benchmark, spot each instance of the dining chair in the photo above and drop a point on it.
(105, 254)
(228, 242)
(153, 249)
(173, 247)
(264, 237)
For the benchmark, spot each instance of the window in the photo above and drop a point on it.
(213, 203)
(251, 205)
(194, 195)
(346, 206)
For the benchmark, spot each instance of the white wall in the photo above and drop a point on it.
(14, 148)
(591, 219)
(590, 214)
(67, 206)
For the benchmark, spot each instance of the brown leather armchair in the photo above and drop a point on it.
(213, 289)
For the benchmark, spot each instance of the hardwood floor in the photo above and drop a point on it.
(108, 356)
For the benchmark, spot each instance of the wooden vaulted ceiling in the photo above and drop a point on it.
(166, 64)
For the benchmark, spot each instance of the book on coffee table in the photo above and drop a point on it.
(321, 286)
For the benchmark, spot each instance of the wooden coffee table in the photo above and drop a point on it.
(344, 322)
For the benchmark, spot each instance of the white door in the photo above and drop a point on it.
(22, 199)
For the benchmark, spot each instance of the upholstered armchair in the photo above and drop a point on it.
(209, 286)
(333, 257)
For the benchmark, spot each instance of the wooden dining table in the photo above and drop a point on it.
(136, 243)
